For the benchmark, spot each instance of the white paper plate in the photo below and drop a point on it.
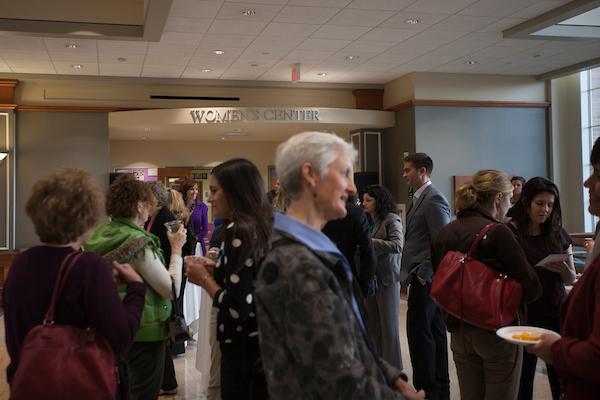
(507, 333)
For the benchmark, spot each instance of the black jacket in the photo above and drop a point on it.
(350, 234)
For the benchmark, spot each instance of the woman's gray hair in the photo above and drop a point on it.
(316, 148)
(160, 192)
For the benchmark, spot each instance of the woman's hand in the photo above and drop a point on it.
(566, 269)
(125, 274)
(542, 348)
(407, 390)
(198, 270)
(177, 240)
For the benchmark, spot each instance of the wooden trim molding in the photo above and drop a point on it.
(469, 103)
(37, 108)
(7, 90)
(8, 106)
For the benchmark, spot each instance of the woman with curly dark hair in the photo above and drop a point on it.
(384, 308)
(537, 224)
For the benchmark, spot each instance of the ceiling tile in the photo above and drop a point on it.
(495, 53)
(203, 63)
(340, 58)
(161, 49)
(308, 56)
(190, 25)
(242, 74)
(264, 53)
(425, 21)
(373, 67)
(438, 6)
(277, 74)
(228, 27)
(437, 38)
(162, 71)
(305, 15)
(197, 73)
(539, 8)
(283, 43)
(181, 38)
(195, 8)
(495, 8)
(160, 59)
(208, 52)
(4, 67)
(258, 1)
(389, 35)
(368, 46)
(502, 24)
(216, 41)
(66, 68)
(323, 44)
(74, 58)
(120, 69)
(107, 58)
(463, 23)
(264, 13)
(524, 43)
(251, 64)
(125, 47)
(25, 55)
(354, 17)
(391, 5)
(289, 30)
(83, 46)
(31, 67)
(340, 32)
(319, 3)
(22, 43)
(432, 61)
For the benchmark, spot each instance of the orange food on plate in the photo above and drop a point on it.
(528, 336)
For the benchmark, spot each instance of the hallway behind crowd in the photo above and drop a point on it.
(321, 289)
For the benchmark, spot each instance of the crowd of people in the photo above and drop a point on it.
(306, 283)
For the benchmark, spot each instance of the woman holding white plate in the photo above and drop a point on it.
(576, 355)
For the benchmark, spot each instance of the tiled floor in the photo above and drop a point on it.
(188, 377)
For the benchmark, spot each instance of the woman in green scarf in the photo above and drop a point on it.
(129, 203)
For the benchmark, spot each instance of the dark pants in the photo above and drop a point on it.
(145, 362)
(528, 375)
(169, 380)
(241, 378)
(427, 343)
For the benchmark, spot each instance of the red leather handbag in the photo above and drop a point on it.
(63, 361)
(473, 292)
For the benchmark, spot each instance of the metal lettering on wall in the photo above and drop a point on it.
(208, 116)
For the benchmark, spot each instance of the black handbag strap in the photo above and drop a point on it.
(478, 237)
(175, 302)
(63, 273)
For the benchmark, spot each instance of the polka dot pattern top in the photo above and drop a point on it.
(235, 300)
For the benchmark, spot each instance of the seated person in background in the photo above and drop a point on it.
(64, 208)
(312, 336)
(518, 182)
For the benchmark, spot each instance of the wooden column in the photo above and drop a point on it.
(7, 91)
(368, 99)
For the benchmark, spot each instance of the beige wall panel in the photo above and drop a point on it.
(399, 91)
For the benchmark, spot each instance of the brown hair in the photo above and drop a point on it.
(485, 185)
(420, 160)
(64, 205)
(184, 185)
(124, 194)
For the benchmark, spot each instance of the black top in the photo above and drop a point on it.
(350, 234)
(159, 230)
(235, 299)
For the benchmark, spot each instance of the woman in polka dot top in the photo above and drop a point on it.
(238, 197)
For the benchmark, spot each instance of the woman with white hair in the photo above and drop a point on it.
(313, 339)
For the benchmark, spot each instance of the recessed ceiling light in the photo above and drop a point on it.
(350, 58)
(71, 46)
(121, 59)
(265, 53)
(471, 62)
(322, 74)
(412, 21)
(76, 66)
(536, 55)
(219, 52)
(248, 12)
(207, 70)
(254, 65)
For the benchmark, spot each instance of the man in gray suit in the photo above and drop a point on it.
(425, 327)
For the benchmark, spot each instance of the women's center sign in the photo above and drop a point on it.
(208, 116)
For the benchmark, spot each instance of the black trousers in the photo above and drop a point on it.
(528, 375)
(241, 372)
(145, 363)
(427, 343)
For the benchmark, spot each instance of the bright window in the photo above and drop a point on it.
(590, 126)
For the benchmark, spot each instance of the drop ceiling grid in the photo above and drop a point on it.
(319, 34)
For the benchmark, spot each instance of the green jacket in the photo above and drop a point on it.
(157, 309)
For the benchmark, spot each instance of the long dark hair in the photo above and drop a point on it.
(551, 228)
(384, 202)
(251, 211)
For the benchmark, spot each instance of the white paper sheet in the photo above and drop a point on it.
(553, 258)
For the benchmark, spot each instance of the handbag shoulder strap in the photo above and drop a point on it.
(478, 237)
(63, 273)
(175, 302)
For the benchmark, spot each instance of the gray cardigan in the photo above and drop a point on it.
(312, 345)
(388, 240)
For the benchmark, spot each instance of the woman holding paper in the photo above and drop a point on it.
(537, 223)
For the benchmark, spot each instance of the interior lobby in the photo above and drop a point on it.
(158, 87)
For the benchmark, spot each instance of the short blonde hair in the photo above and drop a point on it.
(177, 205)
(485, 185)
(64, 205)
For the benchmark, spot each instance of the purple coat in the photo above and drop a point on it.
(200, 220)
